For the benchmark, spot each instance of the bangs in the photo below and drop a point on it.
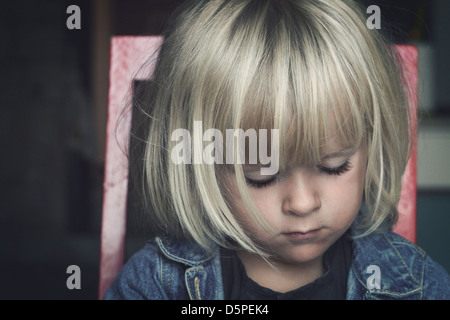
(309, 87)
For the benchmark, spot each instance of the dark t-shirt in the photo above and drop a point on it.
(332, 285)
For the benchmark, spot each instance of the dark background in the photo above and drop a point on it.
(53, 98)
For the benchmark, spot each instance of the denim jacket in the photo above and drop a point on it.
(384, 266)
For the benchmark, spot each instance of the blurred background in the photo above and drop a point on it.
(53, 100)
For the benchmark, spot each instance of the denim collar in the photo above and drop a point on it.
(186, 252)
(398, 272)
(398, 276)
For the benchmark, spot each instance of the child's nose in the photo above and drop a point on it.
(302, 196)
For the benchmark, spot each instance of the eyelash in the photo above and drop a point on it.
(261, 184)
(336, 171)
(329, 171)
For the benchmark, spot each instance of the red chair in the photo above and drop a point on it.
(407, 206)
(127, 55)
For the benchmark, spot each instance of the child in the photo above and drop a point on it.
(328, 90)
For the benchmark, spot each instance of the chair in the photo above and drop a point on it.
(407, 206)
(127, 55)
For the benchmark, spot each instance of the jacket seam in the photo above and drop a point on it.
(196, 279)
(403, 261)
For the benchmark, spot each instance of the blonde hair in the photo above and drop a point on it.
(291, 65)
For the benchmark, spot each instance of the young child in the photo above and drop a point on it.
(324, 94)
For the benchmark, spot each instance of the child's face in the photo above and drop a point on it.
(308, 207)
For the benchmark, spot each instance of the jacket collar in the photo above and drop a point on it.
(186, 252)
(392, 258)
(386, 253)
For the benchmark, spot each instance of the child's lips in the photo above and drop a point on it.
(302, 235)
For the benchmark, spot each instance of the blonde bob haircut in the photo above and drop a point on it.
(293, 65)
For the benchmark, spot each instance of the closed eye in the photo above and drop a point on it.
(336, 171)
(258, 184)
(261, 183)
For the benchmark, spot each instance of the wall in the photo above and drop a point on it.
(50, 185)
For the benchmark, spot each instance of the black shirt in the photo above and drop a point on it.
(332, 285)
